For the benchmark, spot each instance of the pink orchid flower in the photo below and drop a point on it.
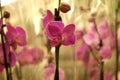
(59, 35)
(11, 57)
(37, 54)
(24, 57)
(102, 34)
(16, 36)
(92, 38)
(50, 71)
(56, 32)
(30, 56)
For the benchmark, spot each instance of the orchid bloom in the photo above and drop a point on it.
(24, 57)
(57, 33)
(37, 54)
(50, 71)
(11, 57)
(102, 34)
(94, 72)
(16, 36)
(92, 38)
(30, 56)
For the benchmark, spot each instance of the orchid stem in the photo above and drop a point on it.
(3, 46)
(18, 69)
(59, 3)
(102, 70)
(117, 50)
(57, 63)
(94, 55)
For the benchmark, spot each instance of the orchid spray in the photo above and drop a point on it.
(58, 34)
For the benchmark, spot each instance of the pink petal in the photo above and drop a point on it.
(92, 39)
(103, 29)
(1, 68)
(12, 58)
(112, 39)
(68, 35)
(48, 18)
(21, 36)
(106, 52)
(11, 29)
(93, 27)
(37, 54)
(54, 29)
(25, 57)
(10, 34)
(80, 33)
(82, 54)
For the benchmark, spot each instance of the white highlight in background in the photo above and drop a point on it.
(6, 2)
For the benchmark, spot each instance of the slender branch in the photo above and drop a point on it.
(94, 55)
(117, 50)
(10, 69)
(101, 70)
(59, 3)
(18, 70)
(3, 47)
(57, 63)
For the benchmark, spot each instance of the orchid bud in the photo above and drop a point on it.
(64, 7)
(6, 14)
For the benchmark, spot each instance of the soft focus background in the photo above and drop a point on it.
(29, 14)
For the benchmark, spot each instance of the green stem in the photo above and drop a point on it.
(18, 70)
(57, 63)
(10, 69)
(59, 3)
(117, 50)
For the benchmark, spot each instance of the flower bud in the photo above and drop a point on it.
(6, 14)
(64, 7)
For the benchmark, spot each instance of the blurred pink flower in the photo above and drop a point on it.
(92, 37)
(56, 32)
(104, 36)
(30, 56)
(11, 57)
(37, 54)
(82, 53)
(24, 57)
(80, 33)
(50, 71)
(103, 29)
(16, 36)
(94, 71)
(106, 52)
